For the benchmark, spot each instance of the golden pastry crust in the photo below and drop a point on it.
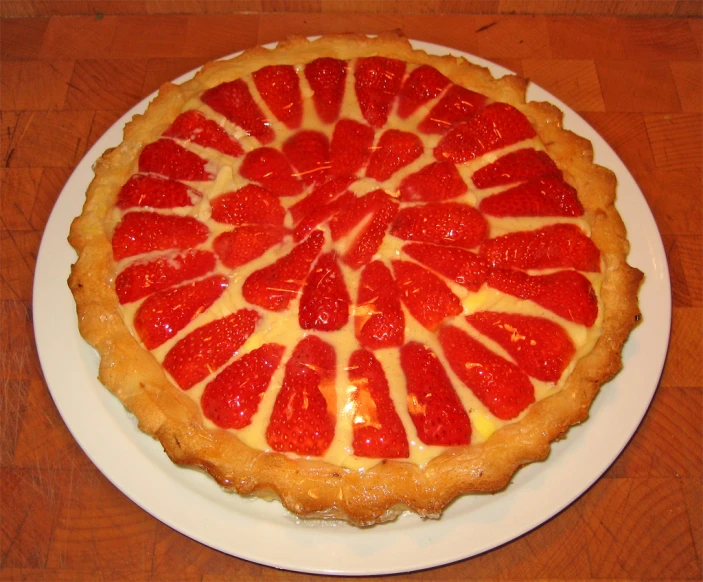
(310, 487)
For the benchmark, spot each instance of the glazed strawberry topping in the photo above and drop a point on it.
(279, 87)
(326, 77)
(194, 126)
(245, 243)
(459, 265)
(320, 196)
(433, 183)
(309, 153)
(457, 105)
(395, 150)
(322, 213)
(324, 304)
(251, 204)
(167, 158)
(422, 84)
(379, 320)
(270, 168)
(350, 147)
(377, 83)
(549, 196)
(517, 166)
(147, 190)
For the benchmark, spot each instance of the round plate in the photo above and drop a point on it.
(264, 532)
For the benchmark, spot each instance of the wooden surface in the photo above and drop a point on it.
(66, 79)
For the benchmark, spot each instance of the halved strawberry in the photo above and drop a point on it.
(377, 83)
(279, 87)
(319, 197)
(434, 406)
(517, 166)
(247, 242)
(233, 397)
(210, 346)
(309, 153)
(395, 150)
(323, 213)
(457, 105)
(324, 304)
(350, 147)
(143, 232)
(378, 431)
(435, 182)
(303, 417)
(249, 205)
(539, 346)
(499, 384)
(144, 278)
(162, 315)
(548, 196)
(426, 296)
(422, 84)
(270, 168)
(459, 265)
(146, 190)
(194, 126)
(166, 158)
(326, 77)
(355, 209)
(379, 321)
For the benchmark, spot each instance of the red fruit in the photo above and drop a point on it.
(497, 125)
(379, 320)
(426, 296)
(539, 346)
(233, 100)
(551, 247)
(303, 417)
(233, 397)
(422, 85)
(459, 265)
(548, 196)
(155, 192)
(377, 83)
(276, 285)
(322, 213)
(162, 315)
(279, 87)
(502, 387)
(144, 278)
(350, 147)
(324, 304)
(355, 209)
(434, 406)
(309, 153)
(271, 169)
(395, 150)
(378, 431)
(248, 205)
(143, 232)
(166, 158)
(448, 223)
(326, 77)
(433, 183)
(516, 166)
(457, 105)
(319, 197)
(245, 243)
(209, 347)
(194, 126)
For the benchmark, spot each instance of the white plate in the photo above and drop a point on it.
(263, 532)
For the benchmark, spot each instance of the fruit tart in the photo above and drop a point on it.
(353, 276)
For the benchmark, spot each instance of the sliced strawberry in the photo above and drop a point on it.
(434, 406)
(422, 85)
(319, 197)
(350, 147)
(517, 166)
(279, 87)
(327, 77)
(249, 205)
(377, 83)
(247, 242)
(499, 384)
(433, 183)
(276, 285)
(270, 168)
(447, 223)
(378, 431)
(379, 320)
(566, 293)
(498, 125)
(143, 232)
(303, 418)
(539, 346)
(162, 315)
(209, 347)
(426, 296)
(551, 247)
(309, 153)
(323, 213)
(459, 265)
(144, 278)
(166, 158)
(146, 190)
(355, 209)
(456, 106)
(233, 100)
(324, 304)
(194, 126)
(395, 150)
(548, 196)
(233, 397)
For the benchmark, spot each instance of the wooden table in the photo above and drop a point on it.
(65, 80)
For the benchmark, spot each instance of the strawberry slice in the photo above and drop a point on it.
(426, 296)
(377, 83)
(459, 265)
(324, 304)
(279, 87)
(446, 223)
(517, 166)
(497, 125)
(155, 192)
(377, 429)
(350, 147)
(303, 418)
(551, 247)
(327, 77)
(323, 213)
(162, 315)
(548, 196)
(395, 150)
(276, 285)
(233, 397)
(566, 293)
(434, 406)
(309, 153)
(249, 205)
(246, 243)
(209, 347)
(379, 321)
(433, 183)
(270, 168)
(144, 278)
(319, 197)
(539, 346)
(166, 158)
(233, 100)
(422, 84)
(456, 106)
(143, 232)
(194, 126)
(499, 384)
